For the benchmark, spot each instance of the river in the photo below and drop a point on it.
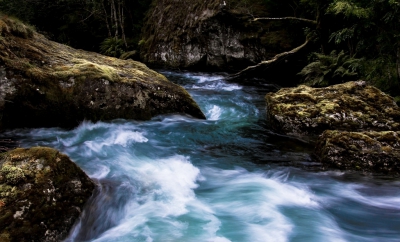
(227, 178)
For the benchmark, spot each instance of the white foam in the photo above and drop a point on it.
(101, 172)
(119, 137)
(255, 200)
(166, 189)
(219, 239)
(214, 113)
(217, 85)
(204, 78)
(352, 192)
(231, 87)
(125, 137)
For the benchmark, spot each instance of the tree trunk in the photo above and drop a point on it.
(320, 29)
(398, 61)
(106, 19)
(114, 18)
(121, 21)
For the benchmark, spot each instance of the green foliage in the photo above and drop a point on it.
(112, 47)
(349, 9)
(381, 72)
(371, 29)
(330, 69)
(342, 35)
(81, 24)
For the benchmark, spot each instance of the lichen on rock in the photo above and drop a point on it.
(351, 106)
(41, 194)
(362, 151)
(44, 83)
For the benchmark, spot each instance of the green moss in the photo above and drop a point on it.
(327, 106)
(8, 193)
(13, 175)
(22, 206)
(83, 69)
(62, 84)
(348, 106)
(9, 25)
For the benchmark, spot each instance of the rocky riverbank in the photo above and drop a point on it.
(47, 84)
(356, 124)
(44, 83)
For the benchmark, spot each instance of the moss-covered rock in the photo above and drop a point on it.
(208, 35)
(351, 106)
(42, 193)
(44, 83)
(361, 151)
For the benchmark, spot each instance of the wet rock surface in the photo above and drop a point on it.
(42, 193)
(361, 151)
(351, 106)
(44, 83)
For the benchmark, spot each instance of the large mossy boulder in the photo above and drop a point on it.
(351, 106)
(44, 83)
(361, 151)
(42, 193)
(210, 35)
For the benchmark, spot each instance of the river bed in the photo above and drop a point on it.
(227, 178)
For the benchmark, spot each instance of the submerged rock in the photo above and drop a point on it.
(352, 106)
(363, 151)
(44, 83)
(42, 193)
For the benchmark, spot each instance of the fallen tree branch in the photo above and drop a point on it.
(277, 58)
(314, 22)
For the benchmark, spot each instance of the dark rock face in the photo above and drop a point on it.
(362, 151)
(42, 193)
(43, 83)
(203, 35)
(352, 106)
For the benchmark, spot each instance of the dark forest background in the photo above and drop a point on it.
(354, 39)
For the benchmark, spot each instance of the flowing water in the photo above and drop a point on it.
(227, 178)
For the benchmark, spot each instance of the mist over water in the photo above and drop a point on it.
(227, 178)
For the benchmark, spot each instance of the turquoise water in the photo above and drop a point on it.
(227, 178)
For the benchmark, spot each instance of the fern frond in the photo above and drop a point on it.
(348, 9)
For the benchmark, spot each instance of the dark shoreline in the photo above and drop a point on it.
(7, 144)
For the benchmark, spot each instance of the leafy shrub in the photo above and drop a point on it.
(381, 72)
(325, 70)
(112, 47)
